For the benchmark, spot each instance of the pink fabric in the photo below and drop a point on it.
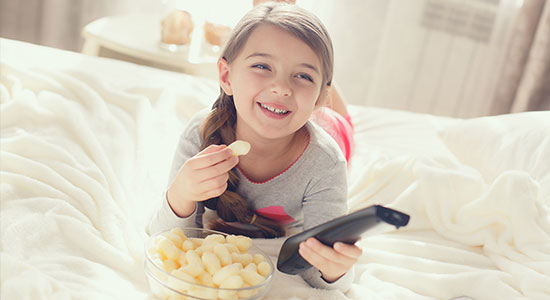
(276, 213)
(337, 126)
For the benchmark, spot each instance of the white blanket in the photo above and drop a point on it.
(480, 221)
(84, 160)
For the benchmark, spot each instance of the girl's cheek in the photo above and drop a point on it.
(251, 80)
(309, 97)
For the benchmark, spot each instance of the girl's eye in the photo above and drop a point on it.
(261, 66)
(306, 77)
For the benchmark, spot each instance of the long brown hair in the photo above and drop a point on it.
(219, 126)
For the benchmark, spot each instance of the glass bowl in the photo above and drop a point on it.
(173, 285)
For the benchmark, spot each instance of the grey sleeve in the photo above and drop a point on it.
(188, 146)
(325, 200)
(165, 218)
(326, 195)
(313, 277)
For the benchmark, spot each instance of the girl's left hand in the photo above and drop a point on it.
(333, 262)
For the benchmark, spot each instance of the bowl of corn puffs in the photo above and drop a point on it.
(196, 263)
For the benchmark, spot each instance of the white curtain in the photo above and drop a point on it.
(533, 91)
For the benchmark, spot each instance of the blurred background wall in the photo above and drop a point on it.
(461, 58)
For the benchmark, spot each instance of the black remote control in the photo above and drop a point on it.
(347, 229)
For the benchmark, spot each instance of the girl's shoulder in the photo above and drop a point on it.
(195, 122)
(322, 146)
(191, 132)
(199, 117)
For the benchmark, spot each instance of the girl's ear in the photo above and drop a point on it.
(223, 71)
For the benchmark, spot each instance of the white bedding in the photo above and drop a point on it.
(86, 145)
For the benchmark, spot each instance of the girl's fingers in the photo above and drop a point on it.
(214, 186)
(216, 170)
(329, 253)
(225, 166)
(216, 192)
(331, 262)
(349, 250)
(211, 148)
(312, 257)
(210, 156)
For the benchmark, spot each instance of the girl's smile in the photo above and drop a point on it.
(275, 111)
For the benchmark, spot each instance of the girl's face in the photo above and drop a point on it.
(275, 81)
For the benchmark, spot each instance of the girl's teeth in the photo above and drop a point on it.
(275, 110)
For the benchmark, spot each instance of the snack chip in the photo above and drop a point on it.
(239, 147)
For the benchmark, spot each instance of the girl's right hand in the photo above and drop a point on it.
(201, 177)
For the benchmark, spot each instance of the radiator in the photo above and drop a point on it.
(442, 57)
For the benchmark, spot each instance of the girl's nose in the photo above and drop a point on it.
(281, 89)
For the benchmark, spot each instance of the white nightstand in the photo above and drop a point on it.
(136, 38)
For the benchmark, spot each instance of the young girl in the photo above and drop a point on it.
(275, 71)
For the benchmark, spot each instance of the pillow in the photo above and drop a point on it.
(495, 144)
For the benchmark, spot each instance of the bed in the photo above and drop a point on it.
(87, 142)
